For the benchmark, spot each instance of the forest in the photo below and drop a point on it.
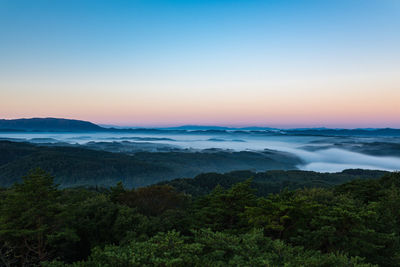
(79, 166)
(356, 223)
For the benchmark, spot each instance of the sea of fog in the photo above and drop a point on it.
(324, 158)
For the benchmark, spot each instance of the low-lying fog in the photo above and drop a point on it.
(319, 153)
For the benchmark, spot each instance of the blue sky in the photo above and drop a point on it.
(277, 63)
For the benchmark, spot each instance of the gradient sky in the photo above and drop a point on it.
(273, 63)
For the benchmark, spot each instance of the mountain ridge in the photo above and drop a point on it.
(48, 124)
(72, 125)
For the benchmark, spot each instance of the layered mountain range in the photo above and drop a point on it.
(68, 125)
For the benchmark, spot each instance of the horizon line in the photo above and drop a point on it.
(231, 126)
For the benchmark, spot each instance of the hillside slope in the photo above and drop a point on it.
(75, 166)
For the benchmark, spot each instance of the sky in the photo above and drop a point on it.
(277, 63)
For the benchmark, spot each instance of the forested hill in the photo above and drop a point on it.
(345, 132)
(268, 182)
(48, 125)
(76, 166)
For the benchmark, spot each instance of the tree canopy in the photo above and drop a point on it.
(353, 224)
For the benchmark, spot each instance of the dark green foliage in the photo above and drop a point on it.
(224, 209)
(354, 224)
(30, 220)
(208, 248)
(270, 181)
(152, 200)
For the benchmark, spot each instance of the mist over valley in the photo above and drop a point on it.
(315, 150)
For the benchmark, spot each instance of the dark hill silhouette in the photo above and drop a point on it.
(49, 124)
(67, 125)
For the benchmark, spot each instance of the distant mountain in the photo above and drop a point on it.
(67, 125)
(221, 128)
(345, 132)
(48, 125)
(196, 128)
